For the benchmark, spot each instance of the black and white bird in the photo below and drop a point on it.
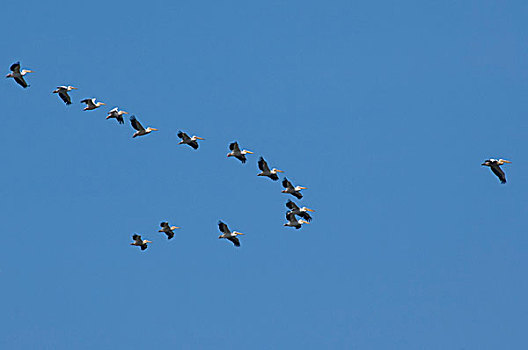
(294, 191)
(140, 242)
(168, 230)
(63, 93)
(495, 164)
(272, 174)
(191, 141)
(91, 104)
(293, 222)
(140, 129)
(226, 233)
(237, 153)
(18, 74)
(296, 210)
(117, 114)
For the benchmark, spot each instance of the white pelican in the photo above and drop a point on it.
(116, 113)
(167, 229)
(63, 93)
(294, 191)
(18, 74)
(91, 104)
(140, 242)
(272, 174)
(140, 129)
(293, 222)
(226, 233)
(237, 153)
(495, 164)
(191, 141)
(302, 212)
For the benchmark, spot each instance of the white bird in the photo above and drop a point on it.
(494, 165)
(18, 74)
(117, 114)
(140, 242)
(191, 141)
(294, 191)
(237, 153)
(302, 212)
(272, 174)
(167, 229)
(140, 129)
(91, 104)
(63, 93)
(226, 233)
(293, 222)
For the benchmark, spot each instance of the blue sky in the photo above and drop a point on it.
(384, 110)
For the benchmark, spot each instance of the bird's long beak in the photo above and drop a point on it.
(199, 138)
(303, 188)
(249, 152)
(308, 209)
(108, 116)
(29, 71)
(153, 129)
(483, 164)
(8, 76)
(102, 103)
(148, 241)
(239, 233)
(279, 171)
(174, 227)
(305, 222)
(124, 112)
(74, 88)
(506, 161)
(229, 154)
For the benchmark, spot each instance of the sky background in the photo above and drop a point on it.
(383, 109)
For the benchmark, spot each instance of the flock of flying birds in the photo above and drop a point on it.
(294, 210)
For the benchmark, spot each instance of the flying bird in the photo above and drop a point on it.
(63, 93)
(226, 233)
(91, 104)
(140, 242)
(272, 174)
(191, 141)
(167, 229)
(18, 74)
(237, 153)
(140, 129)
(294, 191)
(302, 212)
(117, 114)
(495, 164)
(293, 222)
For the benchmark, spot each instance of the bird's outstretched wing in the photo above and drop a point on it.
(136, 124)
(498, 171)
(235, 241)
(223, 227)
(15, 67)
(233, 146)
(263, 165)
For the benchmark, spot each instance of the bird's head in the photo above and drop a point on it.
(300, 188)
(149, 129)
(248, 151)
(147, 241)
(502, 161)
(229, 154)
(198, 138)
(221, 236)
(277, 170)
(308, 209)
(72, 88)
(236, 233)
(174, 227)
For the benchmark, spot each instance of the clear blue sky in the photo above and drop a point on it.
(394, 106)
